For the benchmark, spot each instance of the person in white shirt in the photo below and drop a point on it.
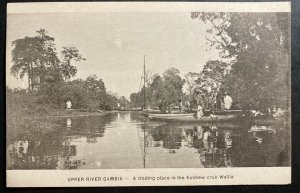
(227, 102)
(69, 105)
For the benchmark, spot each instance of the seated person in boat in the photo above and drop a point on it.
(187, 106)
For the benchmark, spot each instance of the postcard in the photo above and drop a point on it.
(148, 94)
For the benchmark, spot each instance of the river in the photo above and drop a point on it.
(128, 140)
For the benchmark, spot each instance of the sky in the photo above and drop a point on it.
(114, 44)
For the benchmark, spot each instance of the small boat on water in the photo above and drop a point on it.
(171, 115)
(216, 116)
(189, 117)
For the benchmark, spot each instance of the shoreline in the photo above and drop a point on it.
(75, 113)
(70, 113)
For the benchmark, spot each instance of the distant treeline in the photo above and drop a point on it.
(88, 94)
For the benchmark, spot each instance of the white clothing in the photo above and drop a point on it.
(199, 111)
(227, 102)
(69, 105)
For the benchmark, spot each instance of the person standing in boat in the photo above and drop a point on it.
(199, 111)
(160, 105)
(180, 105)
(163, 106)
(227, 101)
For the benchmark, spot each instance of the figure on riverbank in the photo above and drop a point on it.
(69, 105)
(227, 101)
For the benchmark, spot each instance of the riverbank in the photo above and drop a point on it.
(71, 113)
(24, 125)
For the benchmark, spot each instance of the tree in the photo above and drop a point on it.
(216, 35)
(123, 101)
(208, 85)
(96, 91)
(190, 82)
(32, 56)
(173, 84)
(168, 88)
(258, 43)
(156, 90)
(68, 54)
(57, 94)
(89, 93)
(37, 58)
(111, 101)
(134, 100)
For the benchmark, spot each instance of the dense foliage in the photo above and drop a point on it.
(208, 85)
(257, 46)
(37, 58)
(167, 87)
(49, 76)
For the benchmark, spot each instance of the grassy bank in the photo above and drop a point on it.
(26, 117)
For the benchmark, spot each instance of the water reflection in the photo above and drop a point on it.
(228, 145)
(47, 153)
(69, 123)
(127, 140)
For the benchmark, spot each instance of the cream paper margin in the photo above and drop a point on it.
(211, 176)
(59, 178)
(83, 7)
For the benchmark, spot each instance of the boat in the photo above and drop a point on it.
(189, 117)
(211, 125)
(171, 115)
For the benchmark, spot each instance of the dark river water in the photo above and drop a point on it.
(128, 140)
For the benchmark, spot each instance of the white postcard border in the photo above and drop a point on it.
(125, 177)
(149, 177)
(79, 7)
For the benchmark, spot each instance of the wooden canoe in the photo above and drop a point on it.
(191, 119)
(152, 115)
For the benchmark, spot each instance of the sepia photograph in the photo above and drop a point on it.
(136, 90)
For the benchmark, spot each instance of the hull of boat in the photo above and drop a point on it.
(192, 119)
(186, 115)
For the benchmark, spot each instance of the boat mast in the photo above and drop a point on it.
(144, 84)
(144, 158)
